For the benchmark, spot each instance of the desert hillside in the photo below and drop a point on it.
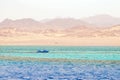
(65, 31)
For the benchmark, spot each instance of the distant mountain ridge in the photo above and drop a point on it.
(27, 22)
(102, 20)
(61, 31)
(53, 23)
(62, 27)
(66, 22)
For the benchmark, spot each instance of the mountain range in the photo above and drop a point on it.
(103, 20)
(27, 29)
(97, 21)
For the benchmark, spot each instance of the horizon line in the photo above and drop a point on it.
(60, 17)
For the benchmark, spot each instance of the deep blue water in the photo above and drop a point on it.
(18, 70)
(33, 70)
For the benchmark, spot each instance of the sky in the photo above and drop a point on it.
(46, 9)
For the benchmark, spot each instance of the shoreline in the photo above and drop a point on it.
(57, 60)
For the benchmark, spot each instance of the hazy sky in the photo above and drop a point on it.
(42, 9)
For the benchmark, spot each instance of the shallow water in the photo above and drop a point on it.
(73, 52)
(46, 70)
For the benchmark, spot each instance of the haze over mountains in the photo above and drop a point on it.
(55, 30)
(96, 21)
(103, 20)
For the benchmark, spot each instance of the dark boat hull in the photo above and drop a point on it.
(42, 51)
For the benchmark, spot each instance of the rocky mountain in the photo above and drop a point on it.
(102, 20)
(20, 23)
(66, 23)
(62, 27)
(65, 31)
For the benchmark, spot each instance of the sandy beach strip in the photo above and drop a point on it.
(58, 60)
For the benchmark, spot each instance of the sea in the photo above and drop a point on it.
(60, 63)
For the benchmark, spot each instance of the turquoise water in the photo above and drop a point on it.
(73, 52)
(46, 70)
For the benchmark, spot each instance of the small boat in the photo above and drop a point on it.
(42, 51)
